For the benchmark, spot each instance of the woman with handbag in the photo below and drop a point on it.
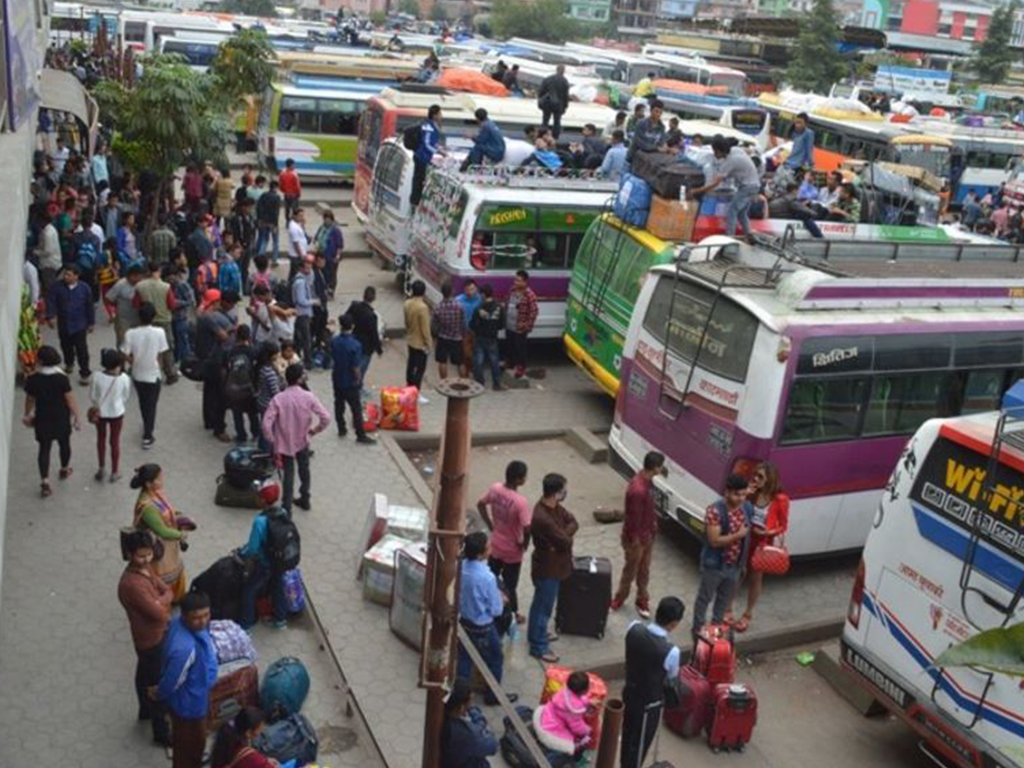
(51, 410)
(109, 394)
(154, 513)
(770, 521)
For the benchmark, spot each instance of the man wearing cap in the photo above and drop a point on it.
(269, 495)
(304, 300)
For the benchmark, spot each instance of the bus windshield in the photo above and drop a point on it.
(733, 82)
(935, 160)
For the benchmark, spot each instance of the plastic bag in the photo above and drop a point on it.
(371, 417)
(399, 409)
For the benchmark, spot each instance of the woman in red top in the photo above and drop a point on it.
(771, 519)
(233, 746)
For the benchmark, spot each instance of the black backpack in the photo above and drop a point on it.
(238, 384)
(283, 546)
(412, 136)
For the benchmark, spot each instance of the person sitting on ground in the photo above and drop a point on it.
(466, 741)
(559, 723)
(232, 747)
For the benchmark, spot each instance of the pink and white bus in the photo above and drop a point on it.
(739, 354)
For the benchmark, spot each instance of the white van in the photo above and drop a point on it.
(943, 562)
(389, 213)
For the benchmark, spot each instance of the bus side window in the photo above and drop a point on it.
(900, 403)
(982, 391)
(338, 118)
(823, 409)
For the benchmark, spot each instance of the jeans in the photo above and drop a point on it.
(488, 642)
(487, 351)
(718, 584)
(288, 470)
(239, 414)
(545, 594)
(304, 339)
(182, 344)
(516, 351)
(45, 445)
(291, 204)
(262, 575)
(476, 157)
(266, 234)
(509, 575)
(349, 396)
(739, 208)
(149, 395)
(114, 426)
(364, 366)
(419, 175)
(72, 345)
(147, 674)
(416, 367)
(554, 117)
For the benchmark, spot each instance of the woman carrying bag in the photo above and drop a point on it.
(154, 513)
(109, 394)
(767, 553)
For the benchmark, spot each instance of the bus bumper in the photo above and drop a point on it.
(605, 380)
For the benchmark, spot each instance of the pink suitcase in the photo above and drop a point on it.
(691, 717)
(734, 718)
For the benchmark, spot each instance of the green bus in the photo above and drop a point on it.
(609, 270)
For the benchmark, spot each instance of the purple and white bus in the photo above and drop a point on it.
(486, 224)
(741, 354)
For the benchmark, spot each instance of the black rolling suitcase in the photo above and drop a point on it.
(666, 174)
(584, 598)
(228, 495)
(246, 464)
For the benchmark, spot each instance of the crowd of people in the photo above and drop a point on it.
(752, 514)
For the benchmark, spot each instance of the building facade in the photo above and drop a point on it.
(946, 20)
(591, 10)
(645, 14)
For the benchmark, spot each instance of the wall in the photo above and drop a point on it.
(920, 17)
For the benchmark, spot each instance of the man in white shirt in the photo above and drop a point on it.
(31, 276)
(143, 347)
(49, 253)
(59, 157)
(298, 243)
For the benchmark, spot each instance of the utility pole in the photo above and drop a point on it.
(447, 529)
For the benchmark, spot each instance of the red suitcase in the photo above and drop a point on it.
(237, 686)
(693, 713)
(714, 654)
(734, 719)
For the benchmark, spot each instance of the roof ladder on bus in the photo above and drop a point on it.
(609, 273)
(588, 286)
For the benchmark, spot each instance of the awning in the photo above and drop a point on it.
(63, 92)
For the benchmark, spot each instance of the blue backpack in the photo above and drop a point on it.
(285, 687)
(87, 253)
(633, 201)
(290, 739)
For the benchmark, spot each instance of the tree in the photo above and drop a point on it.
(438, 13)
(250, 7)
(410, 7)
(815, 64)
(378, 18)
(243, 66)
(544, 20)
(992, 56)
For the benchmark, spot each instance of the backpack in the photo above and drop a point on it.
(283, 545)
(412, 136)
(291, 739)
(88, 255)
(238, 385)
(285, 687)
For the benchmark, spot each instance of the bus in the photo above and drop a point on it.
(198, 52)
(944, 561)
(393, 110)
(315, 128)
(741, 115)
(142, 30)
(737, 354)
(693, 69)
(388, 230)
(488, 223)
(74, 21)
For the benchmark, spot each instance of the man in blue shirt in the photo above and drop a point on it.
(269, 495)
(488, 142)
(801, 156)
(187, 674)
(70, 301)
(347, 355)
(614, 162)
(480, 603)
(470, 299)
(430, 145)
(304, 299)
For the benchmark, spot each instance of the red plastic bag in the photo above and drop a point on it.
(399, 409)
(371, 417)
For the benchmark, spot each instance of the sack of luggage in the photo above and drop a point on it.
(247, 464)
(692, 714)
(227, 495)
(236, 688)
(231, 641)
(292, 738)
(294, 591)
(714, 655)
(735, 715)
(399, 409)
(514, 750)
(285, 687)
(223, 582)
(633, 200)
(584, 598)
(283, 545)
(666, 174)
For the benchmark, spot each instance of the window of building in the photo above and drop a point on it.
(944, 29)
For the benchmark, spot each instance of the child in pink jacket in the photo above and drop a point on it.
(559, 724)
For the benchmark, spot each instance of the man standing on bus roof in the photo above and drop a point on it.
(553, 99)
(638, 532)
(291, 188)
(801, 155)
(429, 145)
(736, 166)
(726, 528)
(519, 319)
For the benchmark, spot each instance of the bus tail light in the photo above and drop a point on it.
(745, 467)
(856, 598)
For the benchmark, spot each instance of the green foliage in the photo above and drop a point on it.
(243, 66)
(378, 18)
(250, 7)
(815, 64)
(994, 650)
(543, 20)
(438, 13)
(410, 7)
(993, 56)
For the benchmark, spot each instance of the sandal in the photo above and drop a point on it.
(744, 623)
(66, 472)
(45, 489)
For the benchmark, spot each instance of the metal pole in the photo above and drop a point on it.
(611, 727)
(442, 608)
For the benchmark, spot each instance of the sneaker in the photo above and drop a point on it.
(147, 442)
(223, 437)
(302, 504)
(615, 604)
(84, 381)
(366, 440)
(643, 611)
(422, 400)
(115, 478)
(342, 433)
(98, 477)
(69, 369)
(282, 624)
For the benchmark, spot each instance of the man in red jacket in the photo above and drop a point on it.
(291, 188)
(638, 532)
(519, 318)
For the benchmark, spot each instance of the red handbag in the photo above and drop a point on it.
(771, 559)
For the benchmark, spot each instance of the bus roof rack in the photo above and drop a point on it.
(529, 177)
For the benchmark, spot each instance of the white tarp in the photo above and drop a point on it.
(63, 92)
